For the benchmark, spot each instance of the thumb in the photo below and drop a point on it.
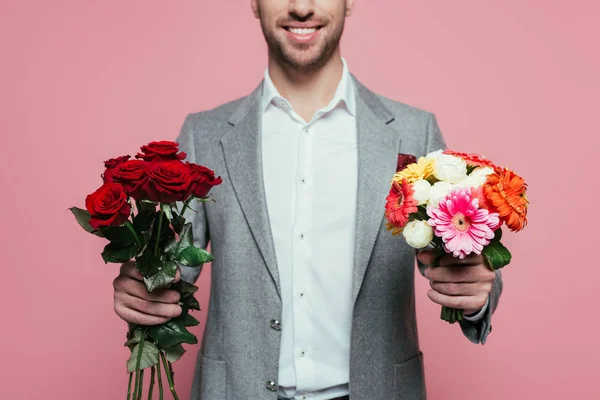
(426, 256)
(177, 275)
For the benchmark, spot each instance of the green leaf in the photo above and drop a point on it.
(119, 234)
(496, 255)
(147, 264)
(115, 253)
(184, 288)
(190, 302)
(162, 278)
(191, 321)
(149, 358)
(134, 339)
(194, 257)
(83, 219)
(171, 333)
(174, 247)
(174, 353)
(177, 222)
(143, 221)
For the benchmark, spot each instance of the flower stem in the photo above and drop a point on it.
(152, 373)
(129, 386)
(138, 374)
(132, 230)
(156, 245)
(185, 205)
(169, 374)
(160, 385)
(141, 385)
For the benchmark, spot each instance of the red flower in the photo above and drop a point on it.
(132, 175)
(203, 179)
(108, 206)
(168, 181)
(400, 204)
(161, 151)
(110, 166)
(473, 159)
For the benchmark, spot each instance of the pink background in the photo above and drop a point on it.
(83, 81)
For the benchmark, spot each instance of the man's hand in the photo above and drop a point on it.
(462, 284)
(134, 304)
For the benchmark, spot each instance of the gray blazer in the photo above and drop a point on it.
(239, 355)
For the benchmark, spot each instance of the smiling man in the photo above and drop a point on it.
(310, 296)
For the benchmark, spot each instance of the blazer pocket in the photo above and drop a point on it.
(409, 379)
(213, 379)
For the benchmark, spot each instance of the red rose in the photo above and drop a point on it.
(203, 179)
(168, 181)
(161, 151)
(132, 175)
(110, 166)
(108, 206)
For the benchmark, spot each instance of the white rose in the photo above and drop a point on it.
(434, 155)
(438, 191)
(476, 178)
(418, 234)
(449, 168)
(422, 189)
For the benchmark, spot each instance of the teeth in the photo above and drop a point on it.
(303, 31)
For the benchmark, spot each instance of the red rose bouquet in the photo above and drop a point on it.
(139, 209)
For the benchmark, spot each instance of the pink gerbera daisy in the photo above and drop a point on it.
(463, 226)
(400, 204)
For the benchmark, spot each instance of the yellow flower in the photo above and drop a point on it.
(422, 169)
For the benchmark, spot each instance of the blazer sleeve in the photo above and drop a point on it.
(197, 216)
(476, 331)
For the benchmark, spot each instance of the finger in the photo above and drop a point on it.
(138, 289)
(130, 270)
(177, 275)
(152, 308)
(460, 274)
(461, 288)
(475, 302)
(136, 317)
(426, 256)
(470, 260)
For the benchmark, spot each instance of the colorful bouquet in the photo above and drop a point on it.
(456, 203)
(136, 209)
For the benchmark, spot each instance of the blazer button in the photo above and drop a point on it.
(272, 386)
(275, 324)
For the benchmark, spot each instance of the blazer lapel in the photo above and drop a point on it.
(243, 157)
(378, 146)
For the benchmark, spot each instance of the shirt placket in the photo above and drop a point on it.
(302, 232)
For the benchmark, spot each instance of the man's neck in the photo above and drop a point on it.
(307, 92)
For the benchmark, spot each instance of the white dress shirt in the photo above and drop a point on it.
(310, 172)
(310, 175)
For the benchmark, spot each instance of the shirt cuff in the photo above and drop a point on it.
(479, 315)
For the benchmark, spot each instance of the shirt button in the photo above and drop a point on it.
(301, 295)
(306, 131)
(303, 180)
(272, 386)
(275, 324)
(302, 353)
(302, 236)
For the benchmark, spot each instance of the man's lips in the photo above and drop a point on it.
(302, 33)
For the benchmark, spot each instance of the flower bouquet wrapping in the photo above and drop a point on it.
(457, 203)
(140, 210)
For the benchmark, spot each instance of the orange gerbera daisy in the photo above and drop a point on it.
(400, 204)
(473, 159)
(505, 192)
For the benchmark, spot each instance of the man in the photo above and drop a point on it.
(310, 296)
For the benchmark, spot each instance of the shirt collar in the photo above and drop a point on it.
(344, 93)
